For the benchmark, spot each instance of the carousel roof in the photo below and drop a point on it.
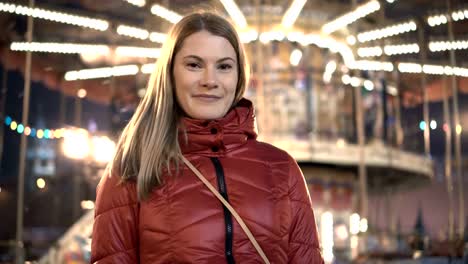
(128, 33)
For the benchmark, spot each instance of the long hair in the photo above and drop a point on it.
(149, 143)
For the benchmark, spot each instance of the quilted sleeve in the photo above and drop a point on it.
(115, 230)
(303, 239)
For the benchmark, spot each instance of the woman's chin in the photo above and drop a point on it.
(207, 114)
(208, 117)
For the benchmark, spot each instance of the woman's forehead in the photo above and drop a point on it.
(205, 45)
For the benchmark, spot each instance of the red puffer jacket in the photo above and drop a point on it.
(183, 222)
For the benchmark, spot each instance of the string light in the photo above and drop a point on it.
(101, 72)
(69, 48)
(436, 46)
(437, 20)
(432, 69)
(369, 85)
(141, 33)
(235, 13)
(148, 68)
(463, 72)
(47, 133)
(387, 31)
(290, 16)
(269, 36)
(141, 92)
(296, 36)
(329, 70)
(351, 40)
(248, 36)
(40, 182)
(346, 79)
(355, 81)
(33, 132)
(363, 225)
(133, 32)
(20, 128)
(157, 37)
(459, 15)
(392, 90)
(327, 236)
(138, 52)
(391, 50)
(422, 125)
(348, 18)
(40, 133)
(97, 24)
(81, 93)
(139, 3)
(59, 133)
(441, 19)
(165, 13)
(13, 125)
(8, 121)
(27, 131)
(354, 221)
(367, 65)
(107, 72)
(51, 47)
(369, 51)
(409, 67)
(406, 67)
(295, 57)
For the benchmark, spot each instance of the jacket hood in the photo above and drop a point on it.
(217, 137)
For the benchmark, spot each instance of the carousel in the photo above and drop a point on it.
(330, 82)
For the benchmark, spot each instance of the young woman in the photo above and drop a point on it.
(151, 208)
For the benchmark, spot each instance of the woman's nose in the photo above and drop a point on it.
(209, 79)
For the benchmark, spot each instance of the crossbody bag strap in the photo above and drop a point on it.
(229, 207)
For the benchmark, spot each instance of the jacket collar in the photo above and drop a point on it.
(217, 137)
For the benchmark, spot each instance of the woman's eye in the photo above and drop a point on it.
(193, 65)
(225, 67)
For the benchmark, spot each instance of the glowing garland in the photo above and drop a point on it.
(33, 132)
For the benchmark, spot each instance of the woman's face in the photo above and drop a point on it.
(205, 75)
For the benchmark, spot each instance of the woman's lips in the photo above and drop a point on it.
(206, 97)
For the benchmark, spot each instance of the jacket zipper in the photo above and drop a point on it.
(227, 214)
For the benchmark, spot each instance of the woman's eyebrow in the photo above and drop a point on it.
(200, 59)
(226, 58)
(193, 57)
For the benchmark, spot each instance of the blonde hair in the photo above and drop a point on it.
(149, 143)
